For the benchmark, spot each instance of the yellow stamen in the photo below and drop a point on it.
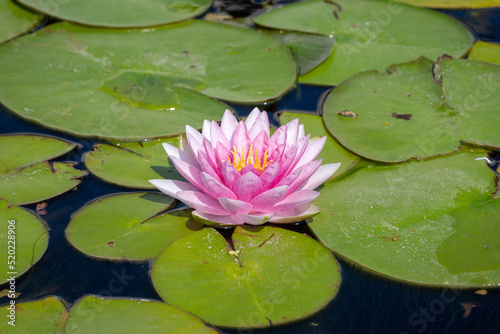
(240, 161)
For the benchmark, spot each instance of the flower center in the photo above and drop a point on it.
(240, 161)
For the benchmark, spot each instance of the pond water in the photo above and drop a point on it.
(365, 303)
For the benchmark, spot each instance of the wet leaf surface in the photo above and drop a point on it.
(30, 240)
(272, 276)
(15, 20)
(121, 13)
(369, 34)
(423, 222)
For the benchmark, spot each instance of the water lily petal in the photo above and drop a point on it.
(218, 137)
(173, 151)
(211, 156)
(195, 134)
(269, 175)
(292, 132)
(312, 152)
(195, 140)
(228, 124)
(216, 220)
(207, 168)
(295, 215)
(302, 147)
(172, 187)
(256, 219)
(241, 140)
(235, 206)
(277, 140)
(260, 144)
(229, 174)
(190, 173)
(296, 199)
(265, 201)
(215, 187)
(322, 174)
(290, 178)
(205, 131)
(261, 124)
(302, 131)
(286, 162)
(252, 117)
(249, 169)
(247, 187)
(202, 202)
(306, 172)
(184, 145)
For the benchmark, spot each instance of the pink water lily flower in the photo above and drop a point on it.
(237, 173)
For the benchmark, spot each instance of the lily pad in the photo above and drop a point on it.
(24, 175)
(272, 276)
(126, 226)
(369, 34)
(407, 221)
(43, 316)
(120, 13)
(484, 51)
(15, 20)
(308, 50)
(25, 245)
(136, 84)
(132, 164)
(105, 315)
(332, 151)
(416, 110)
(452, 3)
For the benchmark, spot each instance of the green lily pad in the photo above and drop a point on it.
(15, 20)
(369, 34)
(25, 245)
(126, 226)
(43, 316)
(484, 51)
(24, 175)
(332, 151)
(105, 315)
(308, 50)
(452, 3)
(416, 110)
(121, 13)
(136, 84)
(407, 221)
(272, 276)
(132, 164)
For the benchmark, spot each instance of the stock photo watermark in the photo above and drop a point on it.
(11, 265)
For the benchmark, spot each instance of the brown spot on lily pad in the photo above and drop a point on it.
(111, 244)
(406, 117)
(347, 113)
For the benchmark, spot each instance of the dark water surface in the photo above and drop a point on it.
(365, 303)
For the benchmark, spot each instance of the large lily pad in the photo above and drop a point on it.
(120, 13)
(332, 151)
(408, 221)
(138, 84)
(484, 51)
(105, 315)
(15, 20)
(132, 164)
(24, 175)
(126, 227)
(452, 3)
(369, 34)
(415, 110)
(25, 245)
(43, 316)
(271, 276)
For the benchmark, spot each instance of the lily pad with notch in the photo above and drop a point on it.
(369, 34)
(15, 20)
(128, 226)
(25, 175)
(132, 164)
(120, 315)
(120, 13)
(142, 83)
(414, 217)
(25, 245)
(272, 276)
(417, 109)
